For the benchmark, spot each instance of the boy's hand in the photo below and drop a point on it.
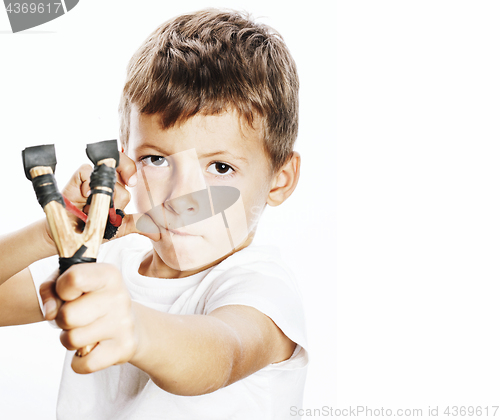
(97, 309)
(78, 190)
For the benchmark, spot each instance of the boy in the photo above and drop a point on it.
(203, 325)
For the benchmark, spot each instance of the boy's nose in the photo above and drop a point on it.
(185, 195)
(186, 179)
(188, 209)
(186, 204)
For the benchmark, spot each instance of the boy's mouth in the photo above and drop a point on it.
(180, 233)
(208, 203)
(149, 224)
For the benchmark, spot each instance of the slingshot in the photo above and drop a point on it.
(73, 247)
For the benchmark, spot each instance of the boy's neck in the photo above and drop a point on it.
(153, 265)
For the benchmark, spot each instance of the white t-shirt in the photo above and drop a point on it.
(254, 276)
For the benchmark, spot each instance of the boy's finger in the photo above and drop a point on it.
(79, 181)
(90, 307)
(104, 355)
(51, 302)
(126, 171)
(83, 278)
(121, 197)
(86, 335)
(142, 224)
(84, 178)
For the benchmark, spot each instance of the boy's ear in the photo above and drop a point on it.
(285, 181)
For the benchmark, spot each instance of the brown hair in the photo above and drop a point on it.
(211, 61)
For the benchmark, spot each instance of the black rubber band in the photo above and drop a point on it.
(65, 263)
(111, 230)
(102, 176)
(46, 190)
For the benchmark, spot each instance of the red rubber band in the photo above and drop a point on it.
(75, 210)
(114, 218)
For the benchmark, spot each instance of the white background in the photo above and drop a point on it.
(60, 83)
(418, 102)
(412, 90)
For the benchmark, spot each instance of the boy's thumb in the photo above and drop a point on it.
(140, 223)
(50, 300)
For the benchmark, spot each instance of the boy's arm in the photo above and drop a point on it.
(183, 354)
(198, 354)
(24, 247)
(18, 299)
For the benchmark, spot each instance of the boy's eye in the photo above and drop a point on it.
(155, 161)
(219, 168)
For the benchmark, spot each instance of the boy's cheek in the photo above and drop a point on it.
(237, 222)
(144, 194)
(253, 215)
(141, 200)
(239, 218)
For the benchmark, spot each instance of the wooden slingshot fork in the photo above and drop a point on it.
(73, 247)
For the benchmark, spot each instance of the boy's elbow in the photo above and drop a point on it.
(203, 375)
(187, 386)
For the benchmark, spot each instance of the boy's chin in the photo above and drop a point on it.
(188, 259)
(145, 226)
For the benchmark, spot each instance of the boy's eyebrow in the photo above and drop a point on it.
(151, 146)
(223, 152)
(204, 155)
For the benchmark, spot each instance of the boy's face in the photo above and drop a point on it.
(202, 186)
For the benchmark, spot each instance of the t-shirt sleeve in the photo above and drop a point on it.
(276, 296)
